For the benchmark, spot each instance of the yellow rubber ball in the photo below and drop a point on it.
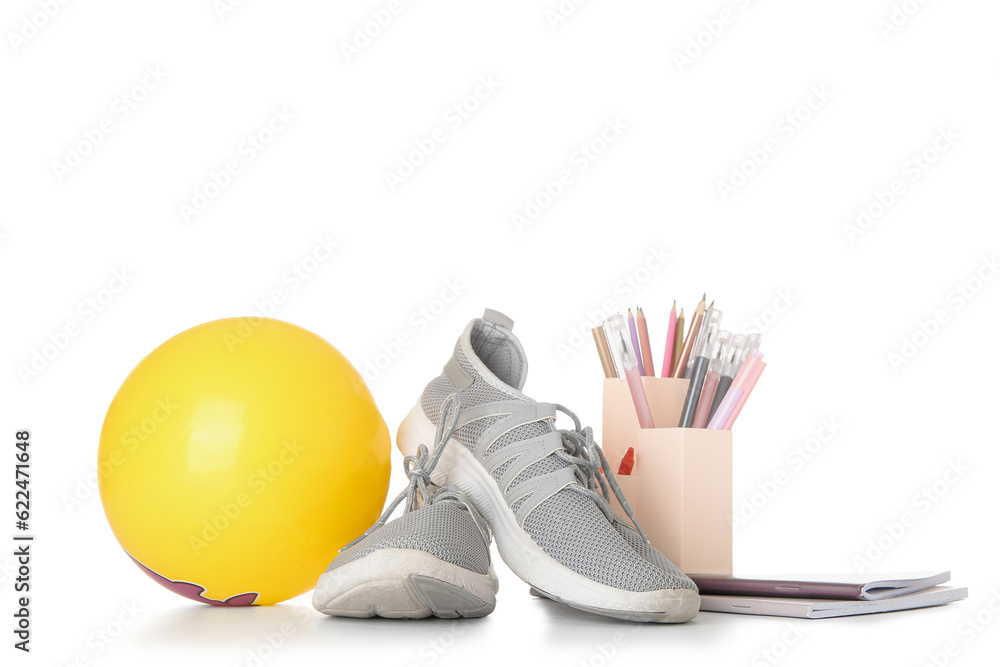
(238, 457)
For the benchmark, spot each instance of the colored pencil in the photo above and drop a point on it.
(668, 349)
(604, 352)
(648, 367)
(682, 361)
(678, 342)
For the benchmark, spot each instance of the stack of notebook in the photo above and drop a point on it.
(825, 596)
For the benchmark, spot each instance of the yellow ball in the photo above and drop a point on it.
(238, 457)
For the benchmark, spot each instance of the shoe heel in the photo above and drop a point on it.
(413, 431)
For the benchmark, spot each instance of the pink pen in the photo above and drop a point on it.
(734, 395)
(748, 384)
(635, 342)
(721, 350)
(705, 402)
(626, 360)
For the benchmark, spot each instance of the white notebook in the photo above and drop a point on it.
(812, 608)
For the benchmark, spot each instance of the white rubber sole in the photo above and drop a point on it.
(527, 560)
(405, 583)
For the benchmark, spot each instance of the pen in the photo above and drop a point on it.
(720, 352)
(625, 358)
(702, 348)
(635, 341)
(730, 365)
(735, 393)
(748, 384)
(705, 402)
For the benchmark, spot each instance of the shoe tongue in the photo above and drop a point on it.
(494, 343)
(498, 318)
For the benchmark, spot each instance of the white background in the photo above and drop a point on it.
(782, 241)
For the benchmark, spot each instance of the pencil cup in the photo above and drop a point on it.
(681, 483)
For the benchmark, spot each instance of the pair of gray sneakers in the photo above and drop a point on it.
(500, 465)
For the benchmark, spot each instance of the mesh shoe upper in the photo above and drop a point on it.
(649, 553)
(444, 529)
(568, 525)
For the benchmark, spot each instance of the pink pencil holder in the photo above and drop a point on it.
(681, 484)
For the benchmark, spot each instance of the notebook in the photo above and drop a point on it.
(827, 586)
(811, 608)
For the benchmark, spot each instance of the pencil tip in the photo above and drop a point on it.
(712, 305)
(673, 308)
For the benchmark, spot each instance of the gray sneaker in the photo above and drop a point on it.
(434, 560)
(545, 492)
